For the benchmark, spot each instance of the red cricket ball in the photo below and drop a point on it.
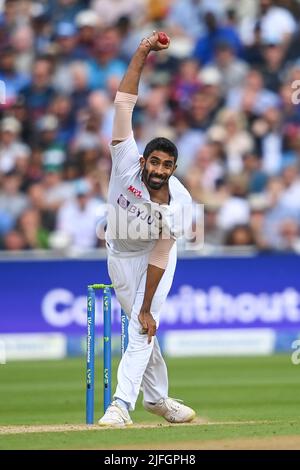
(163, 38)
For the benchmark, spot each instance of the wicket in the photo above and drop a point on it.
(90, 351)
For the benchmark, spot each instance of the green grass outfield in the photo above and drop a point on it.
(240, 402)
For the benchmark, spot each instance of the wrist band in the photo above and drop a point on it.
(148, 41)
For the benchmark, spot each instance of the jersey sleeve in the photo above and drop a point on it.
(124, 156)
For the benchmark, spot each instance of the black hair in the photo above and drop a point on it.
(162, 144)
(230, 239)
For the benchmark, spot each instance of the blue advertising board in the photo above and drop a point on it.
(207, 293)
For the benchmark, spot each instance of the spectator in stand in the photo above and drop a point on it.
(269, 140)
(252, 97)
(215, 33)
(61, 108)
(22, 42)
(271, 18)
(259, 204)
(12, 201)
(34, 235)
(79, 88)
(88, 24)
(10, 14)
(232, 69)
(188, 141)
(47, 127)
(13, 79)
(100, 106)
(184, 18)
(237, 140)
(42, 28)
(256, 177)
(211, 85)
(213, 235)
(200, 113)
(88, 136)
(19, 111)
(276, 213)
(65, 10)
(57, 191)
(39, 93)
(35, 171)
(272, 68)
(289, 233)
(253, 51)
(235, 210)
(291, 180)
(156, 113)
(13, 241)
(11, 148)
(106, 62)
(203, 175)
(111, 10)
(67, 51)
(86, 211)
(37, 200)
(240, 236)
(185, 83)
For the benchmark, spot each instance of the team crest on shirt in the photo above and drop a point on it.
(123, 202)
(136, 192)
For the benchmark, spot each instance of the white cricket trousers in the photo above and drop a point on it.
(142, 366)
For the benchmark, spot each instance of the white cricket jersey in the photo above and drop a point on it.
(134, 222)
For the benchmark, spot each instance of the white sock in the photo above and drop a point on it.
(123, 404)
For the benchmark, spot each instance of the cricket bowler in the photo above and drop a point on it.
(143, 224)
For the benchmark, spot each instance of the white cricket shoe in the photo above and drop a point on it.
(172, 410)
(115, 415)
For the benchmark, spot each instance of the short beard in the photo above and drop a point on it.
(153, 185)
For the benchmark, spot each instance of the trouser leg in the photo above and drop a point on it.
(143, 361)
(155, 380)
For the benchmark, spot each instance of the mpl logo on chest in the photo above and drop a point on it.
(136, 192)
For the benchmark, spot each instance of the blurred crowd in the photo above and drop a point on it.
(227, 92)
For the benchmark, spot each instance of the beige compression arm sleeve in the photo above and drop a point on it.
(159, 255)
(122, 127)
